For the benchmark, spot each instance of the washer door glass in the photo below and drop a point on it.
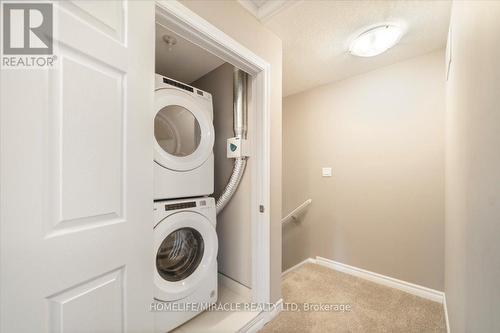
(177, 130)
(179, 254)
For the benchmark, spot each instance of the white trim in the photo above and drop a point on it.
(256, 324)
(250, 6)
(414, 289)
(268, 9)
(445, 305)
(189, 25)
(308, 260)
(272, 8)
(261, 195)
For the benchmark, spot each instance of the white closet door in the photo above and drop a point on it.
(76, 176)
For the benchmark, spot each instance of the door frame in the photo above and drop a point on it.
(197, 30)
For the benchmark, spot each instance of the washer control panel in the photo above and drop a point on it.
(180, 205)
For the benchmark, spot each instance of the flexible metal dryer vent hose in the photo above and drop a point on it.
(238, 170)
(240, 120)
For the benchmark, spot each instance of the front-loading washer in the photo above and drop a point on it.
(184, 141)
(185, 260)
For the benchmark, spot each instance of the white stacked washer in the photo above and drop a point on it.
(185, 247)
(184, 141)
(186, 244)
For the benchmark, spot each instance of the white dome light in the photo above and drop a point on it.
(376, 40)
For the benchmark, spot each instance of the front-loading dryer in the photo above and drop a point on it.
(185, 260)
(184, 140)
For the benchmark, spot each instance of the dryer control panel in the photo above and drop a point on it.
(179, 85)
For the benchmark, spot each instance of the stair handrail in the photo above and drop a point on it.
(293, 215)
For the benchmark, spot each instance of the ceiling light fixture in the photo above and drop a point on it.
(170, 41)
(376, 40)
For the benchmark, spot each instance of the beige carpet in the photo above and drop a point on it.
(375, 308)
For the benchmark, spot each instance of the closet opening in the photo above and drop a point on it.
(196, 69)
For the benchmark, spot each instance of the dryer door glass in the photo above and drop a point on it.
(177, 130)
(179, 254)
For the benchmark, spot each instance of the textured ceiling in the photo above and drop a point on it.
(185, 61)
(316, 36)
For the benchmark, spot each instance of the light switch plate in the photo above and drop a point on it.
(326, 172)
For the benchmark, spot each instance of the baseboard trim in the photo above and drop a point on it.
(256, 324)
(414, 289)
(308, 260)
(445, 306)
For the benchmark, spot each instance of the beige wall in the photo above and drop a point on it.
(383, 134)
(234, 224)
(235, 21)
(472, 275)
